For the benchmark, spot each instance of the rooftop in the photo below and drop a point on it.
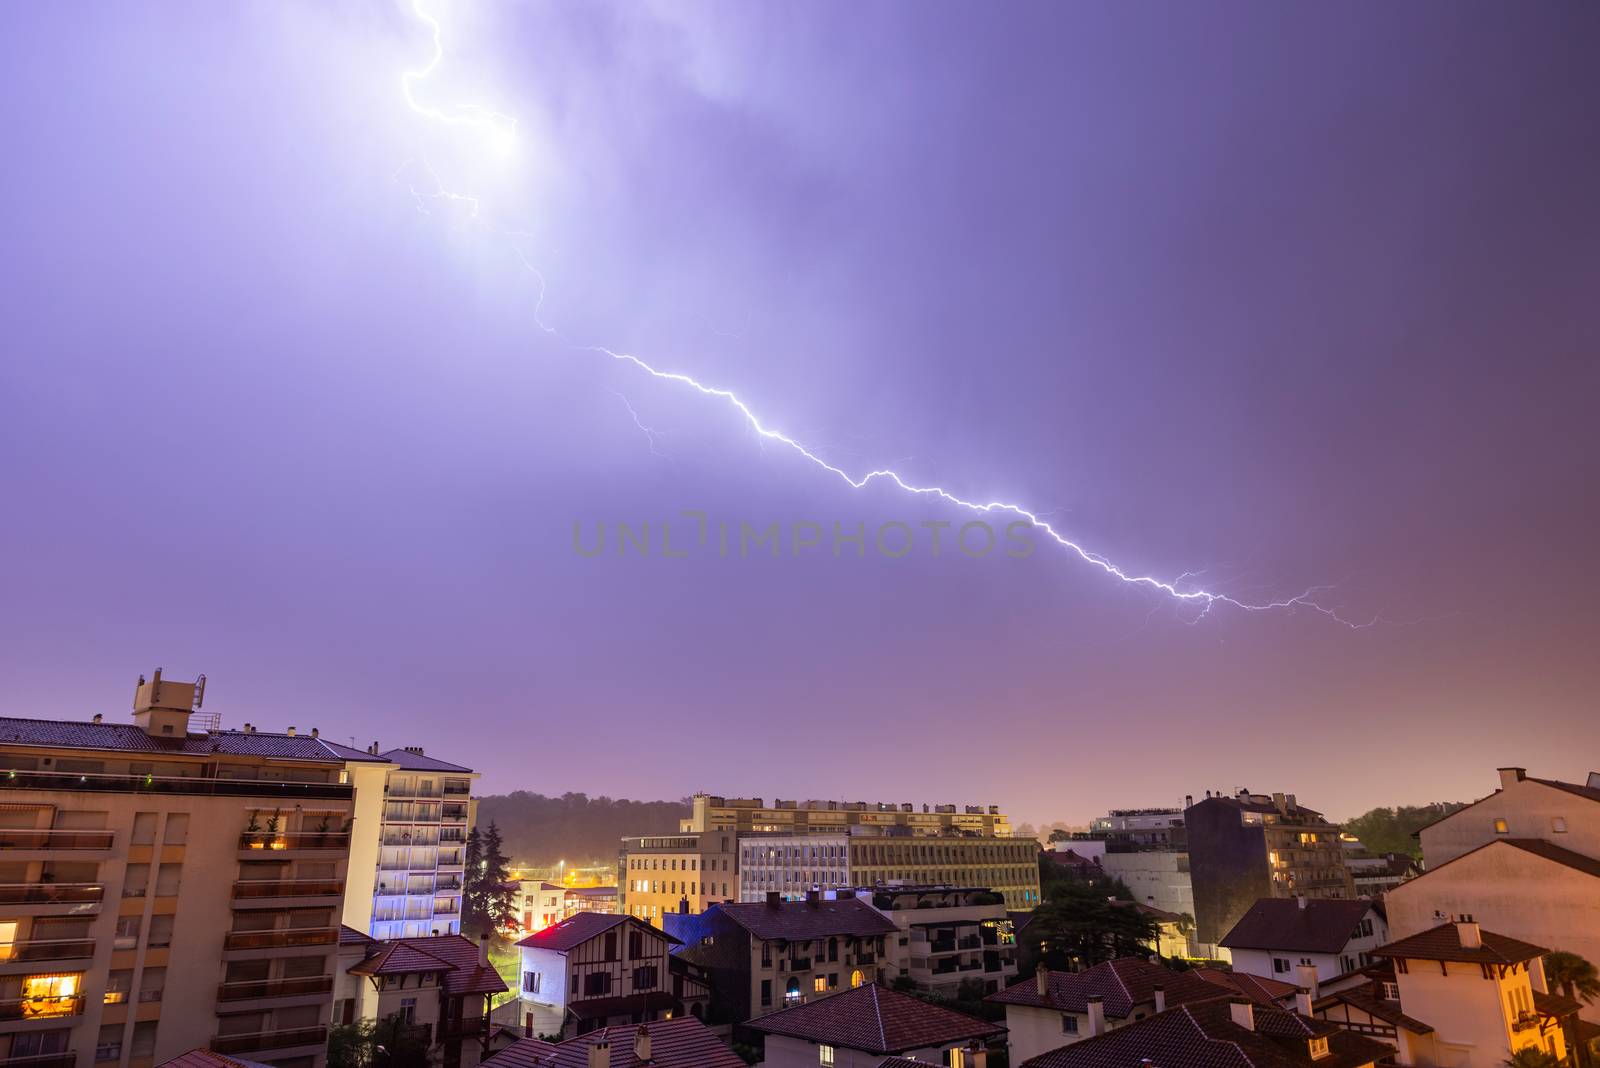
(1303, 925)
(1121, 984)
(131, 738)
(455, 958)
(875, 1019)
(578, 928)
(802, 920)
(1463, 942)
(683, 1042)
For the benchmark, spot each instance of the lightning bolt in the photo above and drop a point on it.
(500, 126)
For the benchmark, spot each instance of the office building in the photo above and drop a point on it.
(947, 935)
(658, 874)
(752, 814)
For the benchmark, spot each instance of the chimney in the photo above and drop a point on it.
(314, 732)
(683, 906)
(1307, 975)
(483, 951)
(1041, 980)
(600, 1054)
(1161, 999)
(97, 717)
(1301, 898)
(1468, 934)
(977, 1055)
(1241, 1012)
(773, 900)
(527, 1025)
(290, 731)
(1509, 777)
(1302, 1003)
(814, 898)
(1594, 780)
(1097, 1014)
(641, 1043)
(1188, 800)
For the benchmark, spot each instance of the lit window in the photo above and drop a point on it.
(1500, 827)
(825, 1055)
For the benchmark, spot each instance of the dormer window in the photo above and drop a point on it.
(1319, 1048)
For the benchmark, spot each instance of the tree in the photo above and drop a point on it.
(1575, 976)
(388, 1043)
(499, 896)
(472, 899)
(1532, 1057)
(1391, 830)
(1080, 925)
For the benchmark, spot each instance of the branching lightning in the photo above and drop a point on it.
(500, 126)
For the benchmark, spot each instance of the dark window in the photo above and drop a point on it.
(597, 983)
(766, 991)
(1279, 964)
(1069, 1024)
(644, 978)
(635, 945)
(611, 945)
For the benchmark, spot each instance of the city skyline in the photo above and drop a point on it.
(1301, 301)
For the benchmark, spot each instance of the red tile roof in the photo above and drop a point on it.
(204, 1058)
(1203, 1035)
(800, 921)
(455, 958)
(1444, 943)
(349, 936)
(683, 1042)
(875, 1019)
(578, 928)
(1300, 925)
(1121, 984)
(1257, 988)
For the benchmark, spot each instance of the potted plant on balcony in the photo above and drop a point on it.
(273, 822)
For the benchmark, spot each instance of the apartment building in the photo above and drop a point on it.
(168, 864)
(1523, 861)
(659, 874)
(794, 865)
(539, 904)
(440, 986)
(947, 935)
(752, 814)
(1250, 846)
(763, 956)
(427, 813)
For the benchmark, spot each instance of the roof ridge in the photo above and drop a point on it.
(877, 1009)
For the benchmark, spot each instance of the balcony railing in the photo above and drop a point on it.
(274, 988)
(258, 888)
(41, 1008)
(281, 939)
(48, 949)
(51, 893)
(41, 1060)
(16, 839)
(260, 1040)
(156, 784)
(301, 840)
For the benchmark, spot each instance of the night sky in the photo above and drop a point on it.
(1267, 296)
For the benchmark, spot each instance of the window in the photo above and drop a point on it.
(856, 978)
(51, 995)
(127, 934)
(766, 992)
(611, 945)
(108, 1047)
(408, 1010)
(167, 878)
(160, 932)
(644, 978)
(1558, 824)
(151, 983)
(819, 984)
(1391, 991)
(530, 982)
(955, 1058)
(1500, 827)
(1069, 1024)
(825, 1056)
(791, 992)
(1279, 965)
(597, 983)
(1319, 1047)
(177, 829)
(118, 985)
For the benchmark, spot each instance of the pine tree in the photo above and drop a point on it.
(472, 900)
(499, 898)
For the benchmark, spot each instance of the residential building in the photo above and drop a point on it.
(1278, 935)
(427, 814)
(1249, 846)
(441, 985)
(947, 934)
(1524, 861)
(1219, 1033)
(1375, 874)
(591, 899)
(859, 1028)
(794, 865)
(657, 874)
(751, 814)
(1051, 1009)
(1472, 999)
(593, 970)
(763, 956)
(539, 904)
(1147, 849)
(681, 1042)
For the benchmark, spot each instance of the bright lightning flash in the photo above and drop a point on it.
(500, 130)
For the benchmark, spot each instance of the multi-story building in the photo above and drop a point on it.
(539, 904)
(747, 814)
(1250, 846)
(1524, 861)
(591, 899)
(153, 865)
(658, 874)
(440, 985)
(426, 816)
(794, 865)
(947, 934)
(763, 956)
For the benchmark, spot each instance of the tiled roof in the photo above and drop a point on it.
(1121, 984)
(349, 936)
(800, 921)
(1365, 999)
(129, 738)
(410, 761)
(1444, 943)
(1203, 1035)
(453, 956)
(1557, 1005)
(204, 1058)
(683, 1042)
(1573, 788)
(1257, 988)
(582, 926)
(1301, 925)
(875, 1019)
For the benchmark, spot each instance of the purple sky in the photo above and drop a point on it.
(1285, 294)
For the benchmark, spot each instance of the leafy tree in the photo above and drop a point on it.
(1080, 925)
(1390, 830)
(388, 1043)
(1532, 1057)
(1575, 976)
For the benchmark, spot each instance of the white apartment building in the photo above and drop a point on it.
(427, 813)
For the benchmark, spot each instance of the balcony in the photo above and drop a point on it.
(255, 889)
(273, 840)
(154, 784)
(47, 949)
(274, 988)
(286, 938)
(264, 1040)
(41, 1008)
(41, 1060)
(15, 839)
(51, 893)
